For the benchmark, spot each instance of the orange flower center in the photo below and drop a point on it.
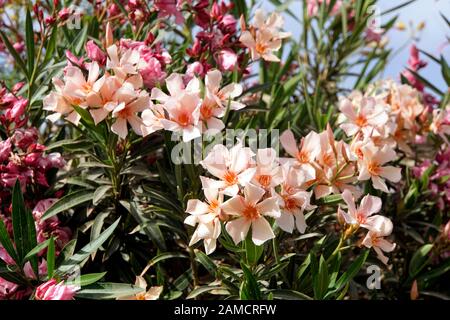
(261, 48)
(213, 205)
(230, 178)
(361, 121)
(360, 218)
(183, 119)
(374, 168)
(250, 212)
(303, 157)
(206, 111)
(290, 203)
(265, 180)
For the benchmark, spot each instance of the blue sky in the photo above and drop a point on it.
(430, 39)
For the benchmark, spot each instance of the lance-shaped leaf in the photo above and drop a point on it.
(67, 202)
(70, 264)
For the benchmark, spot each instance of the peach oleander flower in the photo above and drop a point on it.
(176, 87)
(102, 99)
(152, 293)
(441, 123)
(225, 95)
(60, 105)
(375, 239)
(151, 119)
(364, 215)
(182, 105)
(305, 153)
(372, 166)
(268, 173)
(129, 104)
(231, 166)
(293, 201)
(126, 64)
(365, 115)
(250, 211)
(206, 215)
(264, 36)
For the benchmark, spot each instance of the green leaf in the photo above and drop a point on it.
(29, 39)
(68, 265)
(207, 262)
(99, 194)
(51, 256)
(23, 227)
(249, 287)
(67, 202)
(351, 272)
(151, 229)
(6, 242)
(108, 290)
(321, 279)
(164, 256)
(200, 290)
(37, 249)
(86, 279)
(14, 53)
(252, 251)
(284, 294)
(419, 260)
(445, 70)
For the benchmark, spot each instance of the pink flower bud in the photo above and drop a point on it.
(95, 53)
(51, 290)
(64, 14)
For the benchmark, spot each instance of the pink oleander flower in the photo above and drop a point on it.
(376, 241)
(441, 123)
(372, 166)
(293, 201)
(7, 289)
(126, 111)
(264, 36)
(168, 8)
(227, 60)
(365, 115)
(363, 216)
(268, 173)
(182, 105)
(336, 170)
(207, 216)
(76, 87)
(305, 153)
(104, 97)
(250, 211)
(151, 119)
(5, 150)
(222, 96)
(231, 166)
(52, 290)
(126, 64)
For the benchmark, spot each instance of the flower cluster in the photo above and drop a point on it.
(115, 89)
(438, 182)
(264, 36)
(189, 112)
(217, 41)
(263, 185)
(22, 157)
